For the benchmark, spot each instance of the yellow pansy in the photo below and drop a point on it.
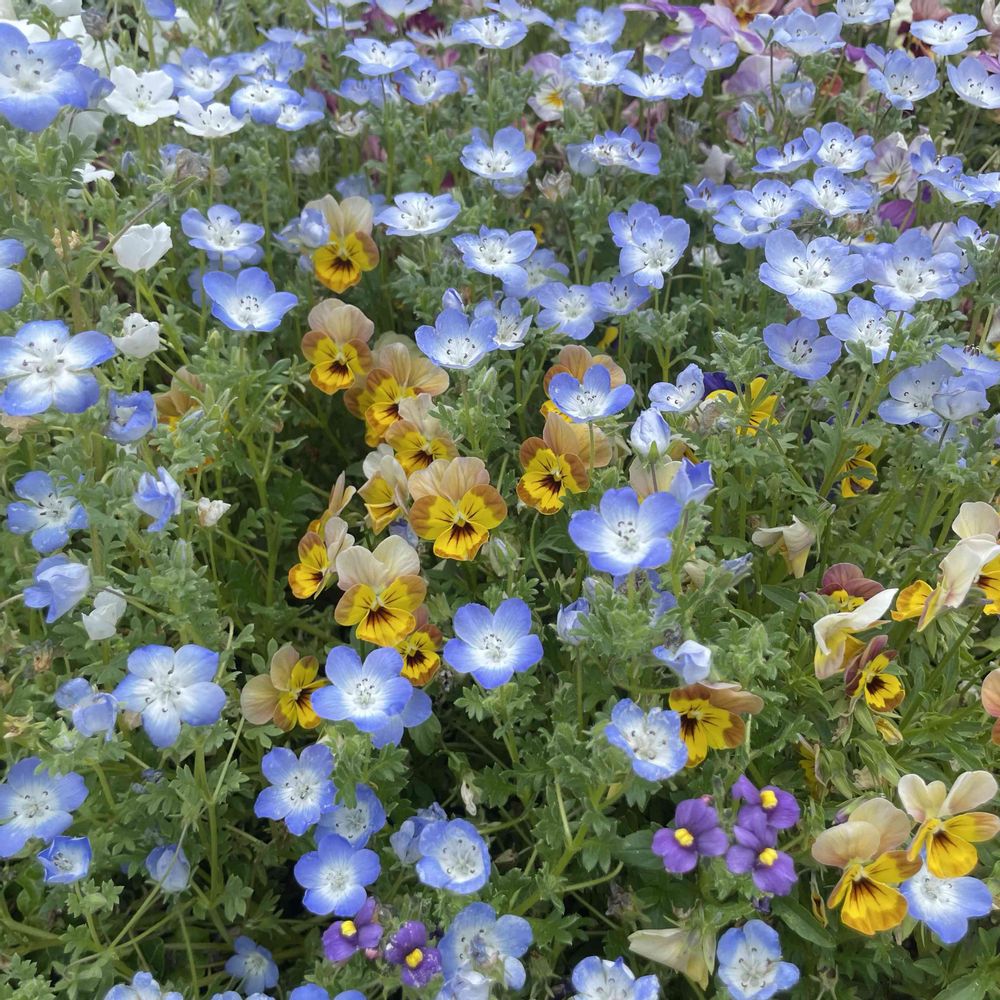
(858, 473)
(284, 694)
(710, 717)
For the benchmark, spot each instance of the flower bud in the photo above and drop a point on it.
(650, 435)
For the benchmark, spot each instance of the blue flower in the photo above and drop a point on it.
(301, 789)
(766, 206)
(252, 965)
(591, 399)
(970, 80)
(707, 196)
(375, 58)
(199, 77)
(493, 646)
(65, 860)
(809, 276)
(247, 302)
(750, 963)
(650, 435)
(453, 856)
(865, 11)
(11, 283)
(800, 32)
(946, 904)
(143, 986)
(835, 145)
(950, 36)
(42, 364)
(691, 660)
(542, 266)
(477, 940)
(406, 840)
(571, 311)
(868, 324)
(504, 160)
(682, 397)
(158, 496)
(619, 296)
(490, 32)
(692, 482)
(426, 83)
(46, 510)
(959, 397)
(624, 535)
(454, 342)
(169, 868)
(335, 875)
(596, 65)
(223, 236)
(310, 991)
(798, 348)
(355, 824)
(627, 151)
(418, 214)
(798, 97)
(262, 99)
(909, 271)
(912, 394)
(597, 978)
(57, 584)
(972, 361)
(499, 253)
(511, 324)
(835, 195)
(904, 79)
(591, 26)
(34, 802)
(32, 99)
(789, 158)
(170, 687)
(161, 10)
(651, 739)
(130, 417)
(654, 247)
(300, 111)
(568, 619)
(669, 79)
(92, 711)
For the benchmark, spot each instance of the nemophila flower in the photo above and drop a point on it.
(777, 808)
(597, 978)
(619, 296)
(65, 860)
(284, 694)
(130, 417)
(903, 79)
(695, 834)
(142, 246)
(424, 83)
(682, 397)
(670, 79)
(335, 876)
(833, 194)
(767, 205)
(949, 829)
(12, 252)
(591, 26)
(247, 301)
(946, 905)
(158, 496)
(345, 938)
(91, 711)
(750, 963)
(972, 361)
(655, 247)
(692, 482)
(300, 790)
(44, 367)
(650, 435)
(512, 325)
(455, 342)
(417, 214)
(801, 32)
(950, 36)
(453, 856)
(623, 535)
(710, 49)
(198, 76)
(798, 97)
(143, 98)
(786, 160)
(35, 802)
(913, 392)
(591, 398)
(493, 646)
(909, 271)
(38, 78)
(710, 716)
(252, 965)
(168, 687)
(651, 739)
(223, 236)
(755, 852)
(864, 847)
(691, 660)
(810, 275)
(835, 145)
(213, 121)
(357, 823)
(627, 151)
(478, 940)
(261, 98)
(959, 397)
(865, 11)
(570, 310)
(798, 347)
(706, 196)
(57, 585)
(499, 253)
(405, 841)
(835, 633)
(596, 65)
(973, 83)
(169, 868)
(376, 58)
(46, 510)
(504, 160)
(868, 324)
(489, 32)
(143, 986)
(408, 948)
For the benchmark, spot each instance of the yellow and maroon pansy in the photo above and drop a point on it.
(418, 438)
(384, 492)
(350, 250)
(711, 717)
(284, 694)
(549, 475)
(337, 345)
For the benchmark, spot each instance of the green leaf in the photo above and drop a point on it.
(800, 921)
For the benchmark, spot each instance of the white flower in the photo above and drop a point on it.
(212, 122)
(102, 621)
(140, 247)
(140, 336)
(209, 511)
(88, 173)
(143, 98)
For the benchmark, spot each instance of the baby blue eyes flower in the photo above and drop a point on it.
(223, 236)
(91, 711)
(798, 97)
(375, 58)
(130, 417)
(591, 399)
(158, 496)
(868, 324)
(909, 271)
(627, 151)
(902, 80)
(798, 348)
(810, 275)
(971, 361)
(948, 37)
(58, 585)
(597, 979)
(682, 397)
(406, 840)
(912, 394)
(34, 802)
(971, 81)
(477, 940)
(651, 245)
(692, 482)
(247, 302)
(335, 876)
(454, 342)
(571, 311)
(511, 324)
(300, 790)
(650, 435)
(946, 905)
(835, 145)
(252, 965)
(355, 824)
(169, 868)
(651, 739)
(669, 79)
(624, 535)
(865, 11)
(43, 365)
(169, 687)
(596, 65)
(504, 160)
(199, 77)
(789, 158)
(619, 296)
(493, 646)
(749, 959)
(489, 32)
(802, 33)
(11, 284)
(65, 860)
(417, 214)
(499, 253)
(691, 660)
(453, 856)
(143, 986)
(426, 83)
(46, 510)
(261, 99)
(591, 26)
(833, 194)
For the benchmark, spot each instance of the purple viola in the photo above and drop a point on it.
(755, 852)
(695, 834)
(408, 949)
(345, 938)
(778, 808)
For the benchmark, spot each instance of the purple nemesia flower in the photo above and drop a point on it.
(778, 808)
(754, 852)
(408, 949)
(798, 347)
(695, 833)
(344, 938)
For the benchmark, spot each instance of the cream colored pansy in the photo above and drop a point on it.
(832, 632)
(793, 541)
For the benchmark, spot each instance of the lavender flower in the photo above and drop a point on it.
(695, 833)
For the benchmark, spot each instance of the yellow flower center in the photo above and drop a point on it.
(348, 928)
(414, 958)
(768, 856)
(768, 799)
(683, 837)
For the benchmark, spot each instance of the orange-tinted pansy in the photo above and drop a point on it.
(351, 250)
(284, 694)
(337, 345)
(710, 717)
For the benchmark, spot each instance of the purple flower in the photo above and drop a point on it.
(779, 809)
(344, 938)
(408, 949)
(696, 833)
(798, 348)
(754, 852)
